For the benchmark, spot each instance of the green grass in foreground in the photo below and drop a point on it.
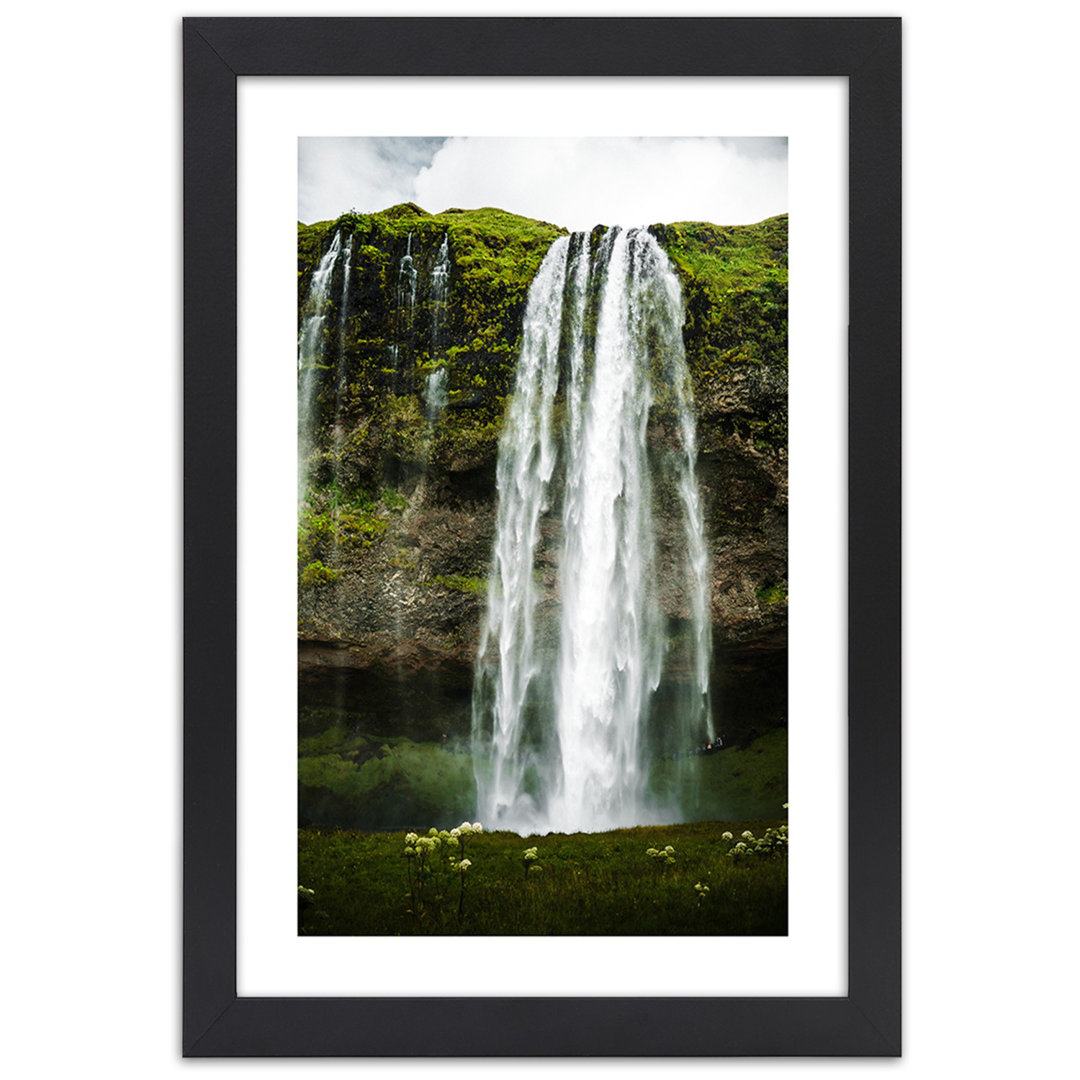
(587, 883)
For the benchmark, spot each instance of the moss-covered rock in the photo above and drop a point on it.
(396, 532)
(386, 338)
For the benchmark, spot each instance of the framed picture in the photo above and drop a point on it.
(509, 456)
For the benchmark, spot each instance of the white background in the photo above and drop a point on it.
(91, 446)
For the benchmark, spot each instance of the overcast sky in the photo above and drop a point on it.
(573, 182)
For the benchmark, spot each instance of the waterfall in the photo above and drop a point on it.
(311, 347)
(405, 307)
(341, 381)
(506, 658)
(407, 278)
(436, 394)
(343, 314)
(567, 671)
(436, 391)
(440, 276)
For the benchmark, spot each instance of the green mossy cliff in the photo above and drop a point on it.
(388, 347)
(397, 529)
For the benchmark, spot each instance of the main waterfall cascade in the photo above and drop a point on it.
(565, 709)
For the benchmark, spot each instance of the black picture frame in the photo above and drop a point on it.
(218, 1023)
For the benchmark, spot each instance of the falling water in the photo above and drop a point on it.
(405, 306)
(436, 394)
(407, 278)
(343, 315)
(440, 276)
(564, 690)
(310, 349)
(340, 383)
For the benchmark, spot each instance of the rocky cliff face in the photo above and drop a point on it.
(396, 531)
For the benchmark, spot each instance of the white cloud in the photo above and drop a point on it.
(338, 174)
(611, 181)
(575, 182)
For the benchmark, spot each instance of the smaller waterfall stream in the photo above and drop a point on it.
(405, 306)
(407, 278)
(343, 314)
(436, 395)
(440, 276)
(436, 391)
(342, 372)
(341, 381)
(310, 353)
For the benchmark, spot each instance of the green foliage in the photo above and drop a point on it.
(772, 844)
(333, 740)
(470, 440)
(725, 258)
(387, 350)
(363, 502)
(664, 856)
(329, 522)
(529, 860)
(360, 529)
(425, 856)
(591, 883)
(772, 593)
(461, 583)
(734, 283)
(731, 784)
(735, 287)
(315, 536)
(317, 574)
(352, 778)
